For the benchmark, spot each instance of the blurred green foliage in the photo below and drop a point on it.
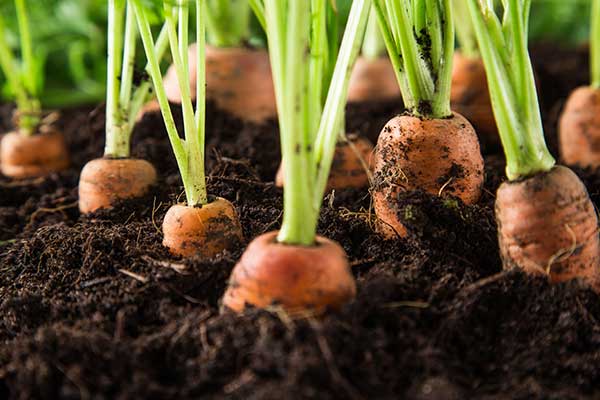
(69, 39)
(564, 21)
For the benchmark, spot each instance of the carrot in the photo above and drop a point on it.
(204, 231)
(33, 149)
(547, 225)
(470, 97)
(429, 148)
(373, 80)
(579, 124)
(201, 226)
(106, 181)
(23, 156)
(546, 221)
(579, 128)
(351, 167)
(294, 277)
(439, 156)
(293, 267)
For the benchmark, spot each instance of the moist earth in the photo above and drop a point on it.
(94, 306)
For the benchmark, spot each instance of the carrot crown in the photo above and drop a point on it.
(419, 36)
(227, 22)
(302, 47)
(25, 77)
(123, 100)
(465, 33)
(595, 44)
(503, 47)
(189, 152)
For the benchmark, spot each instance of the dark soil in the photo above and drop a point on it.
(94, 307)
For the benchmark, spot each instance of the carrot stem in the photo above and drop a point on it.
(503, 47)
(24, 80)
(303, 45)
(373, 45)
(189, 152)
(227, 22)
(465, 32)
(595, 44)
(419, 37)
(115, 145)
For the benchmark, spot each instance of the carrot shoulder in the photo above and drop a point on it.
(438, 156)
(24, 156)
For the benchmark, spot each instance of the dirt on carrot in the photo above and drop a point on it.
(95, 306)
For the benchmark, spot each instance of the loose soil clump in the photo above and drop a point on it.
(94, 307)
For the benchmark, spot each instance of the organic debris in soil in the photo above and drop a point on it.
(95, 307)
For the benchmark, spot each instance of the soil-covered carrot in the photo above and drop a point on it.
(34, 149)
(469, 94)
(106, 181)
(203, 226)
(238, 77)
(373, 78)
(294, 268)
(546, 221)
(579, 125)
(429, 147)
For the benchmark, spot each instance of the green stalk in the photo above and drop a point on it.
(29, 74)
(295, 149)
(301, 75)
(142, 93)
(512, 86)
(115, 146)
(373, 46)
(595, 44)
(25, 81)
(188, 152)
(333, 115)
(419, 37)
(10, 68)
(464, 29)
(227, 22)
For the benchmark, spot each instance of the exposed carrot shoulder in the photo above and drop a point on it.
(579, 128)
(106, 181)
(32, 156)
(204, 231)
(547, 225)
(297, 278)
(439, 156)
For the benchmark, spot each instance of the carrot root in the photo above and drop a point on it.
(205, 231)
(297, 278)
(547, 225)
(579, 128)
(106, 181)
(439, 156)
(33, 156)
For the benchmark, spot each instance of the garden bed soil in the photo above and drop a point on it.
(95, 307)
